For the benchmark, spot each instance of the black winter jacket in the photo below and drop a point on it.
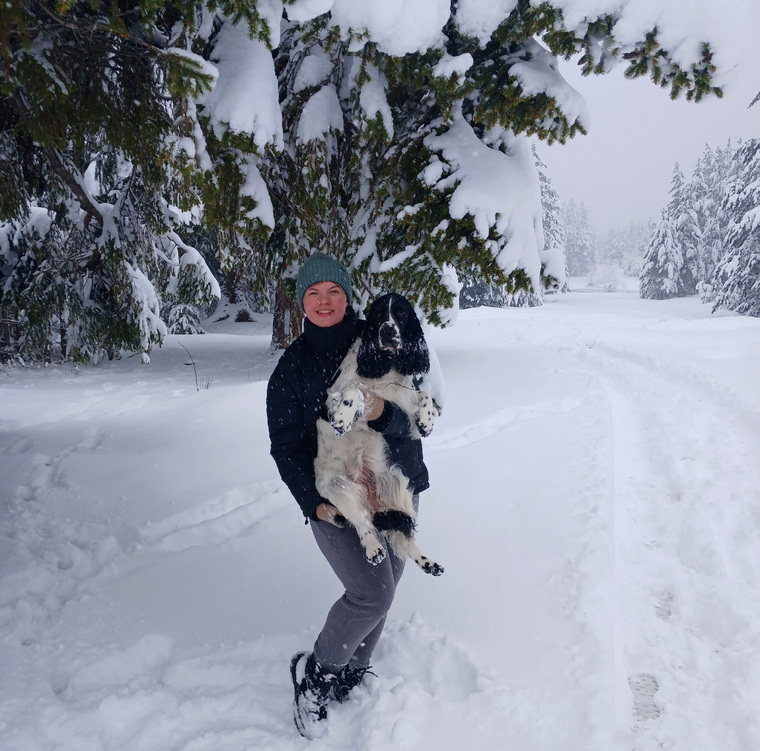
(296, 394)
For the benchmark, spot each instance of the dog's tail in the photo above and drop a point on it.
(393, 519)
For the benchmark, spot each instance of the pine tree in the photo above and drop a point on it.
(580, 239)
(673, 266)
(636, 241)
(708, 188)
(89, 138)
(554, 270)
(662, 263)
(737, 278)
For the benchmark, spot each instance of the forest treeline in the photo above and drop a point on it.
(158, 155)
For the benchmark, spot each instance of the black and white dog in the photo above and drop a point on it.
(352, 468)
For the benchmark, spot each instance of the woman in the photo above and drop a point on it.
(295, 398)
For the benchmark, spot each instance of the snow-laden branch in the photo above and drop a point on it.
(499, 190)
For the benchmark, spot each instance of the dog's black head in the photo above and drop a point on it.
(392, 340)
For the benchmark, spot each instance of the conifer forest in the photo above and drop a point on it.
(157, 156)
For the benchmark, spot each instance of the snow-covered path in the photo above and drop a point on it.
(685, 507)
(595, 501)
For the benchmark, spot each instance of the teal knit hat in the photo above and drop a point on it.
(321, 268)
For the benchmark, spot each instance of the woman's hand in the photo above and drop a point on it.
(373, 406)
(326, 512)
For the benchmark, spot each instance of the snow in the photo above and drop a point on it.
(321, 114)
(540, 75)
(500, 191)
(595, 498)
(147, 305)
(681, 25)
(304, 10)
(450, 65)
(398, 26)
(479, 19)
(372, 97)
(315, 68)
(402, 26)
(245, 95)
(256, 188)
(37, 223)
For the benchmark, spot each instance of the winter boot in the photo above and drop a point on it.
(348, 679)
(313, 687)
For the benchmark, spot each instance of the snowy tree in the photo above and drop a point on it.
(612, 249)
(662, 263)
(736, 282)
(405, 141)
(581, 240)
(673, 266)
(625, 248)
(554, 271)
(476, 292)
(395, 137)
(708, 189)
(611, 257)
(98, 176)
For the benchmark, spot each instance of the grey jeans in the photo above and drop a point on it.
(356, 620)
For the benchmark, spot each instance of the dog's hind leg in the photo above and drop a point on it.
(393, 519)
(348, 497)
(405, 546)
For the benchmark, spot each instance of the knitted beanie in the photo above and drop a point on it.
(321, 268)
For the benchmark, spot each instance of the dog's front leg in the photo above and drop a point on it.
(426, 415)
(344, 408)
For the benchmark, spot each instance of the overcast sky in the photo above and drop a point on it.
(622, 169)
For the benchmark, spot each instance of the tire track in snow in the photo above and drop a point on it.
(686, 499)
(231, 515)
(48, 561)
(462, 435)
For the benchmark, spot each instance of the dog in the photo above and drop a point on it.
(352, 468)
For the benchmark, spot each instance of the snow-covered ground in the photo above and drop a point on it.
(595, 501)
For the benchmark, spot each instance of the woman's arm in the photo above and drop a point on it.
(391, 420)
(289, 447)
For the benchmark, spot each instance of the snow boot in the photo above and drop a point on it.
(348, 679)
(314, 687)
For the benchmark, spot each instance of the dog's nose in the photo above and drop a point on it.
(389, 336)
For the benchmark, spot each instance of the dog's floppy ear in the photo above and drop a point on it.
(414, 358)
(371, 361)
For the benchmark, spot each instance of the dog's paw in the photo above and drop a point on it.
(345, 408)
(375, 554)
(427, 413)
(430, 567)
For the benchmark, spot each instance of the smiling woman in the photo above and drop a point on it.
(296, 396)
(324, 304)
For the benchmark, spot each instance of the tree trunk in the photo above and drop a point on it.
(6, 336)
(287, 321)
(229, 285)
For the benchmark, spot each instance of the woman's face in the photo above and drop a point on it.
(325, 304)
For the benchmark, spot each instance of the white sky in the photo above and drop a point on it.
(622, 169)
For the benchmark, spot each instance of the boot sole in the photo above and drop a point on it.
(300, 657)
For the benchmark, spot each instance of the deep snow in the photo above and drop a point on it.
(595, 501)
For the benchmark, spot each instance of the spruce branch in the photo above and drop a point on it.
(88, 29)
(88, 205)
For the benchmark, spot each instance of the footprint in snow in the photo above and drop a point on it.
(643, 687)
